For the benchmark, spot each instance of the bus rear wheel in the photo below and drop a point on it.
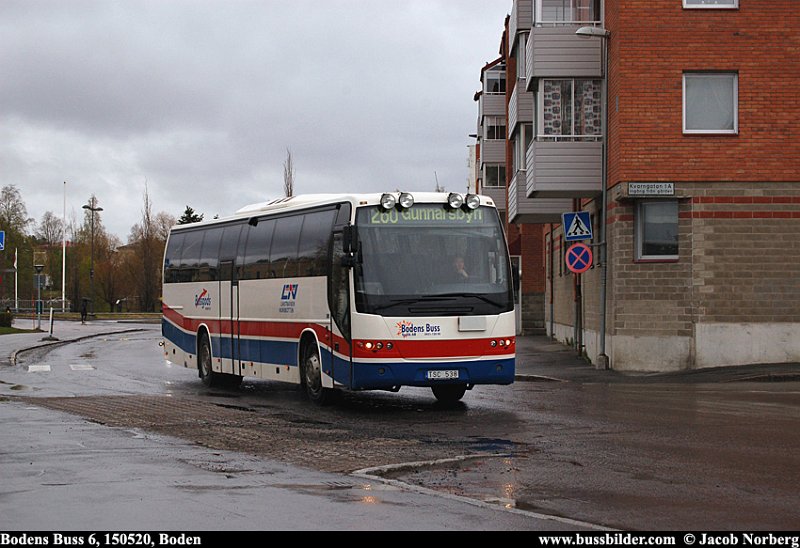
(204, 367)
(449, 393)
(311, 371)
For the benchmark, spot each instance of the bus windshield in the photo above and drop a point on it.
(430, 261)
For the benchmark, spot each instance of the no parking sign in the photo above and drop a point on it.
(579, 258)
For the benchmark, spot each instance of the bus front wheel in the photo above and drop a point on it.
(449, 393)
(311, 365)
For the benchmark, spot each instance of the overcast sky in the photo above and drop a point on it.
(200, 100)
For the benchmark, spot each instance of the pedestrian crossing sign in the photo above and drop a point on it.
(577, 226)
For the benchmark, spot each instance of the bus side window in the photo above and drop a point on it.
(227, 248)
(209, 256)
(312, 254)
(283, 253)
(256, 262)
(172, 257)
(190, 257)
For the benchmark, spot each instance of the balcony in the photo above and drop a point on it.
(522, 209)
(497, 194)
(564, 169)
(493, 151)
(520, 108)
(493, 104)
(556, 52)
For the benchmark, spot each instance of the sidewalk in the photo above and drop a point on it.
(541, 359)
(63, 330)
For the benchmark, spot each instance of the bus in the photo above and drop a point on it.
(344, 293)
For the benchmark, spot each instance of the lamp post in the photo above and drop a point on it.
(605, 36)
(39, 266)
(92, 206)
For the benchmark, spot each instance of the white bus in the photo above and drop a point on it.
(344, 292)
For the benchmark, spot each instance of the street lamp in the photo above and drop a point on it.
(605, 35)
(92, 206)
(39, 266)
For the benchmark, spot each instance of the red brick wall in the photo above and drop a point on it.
(653, 42)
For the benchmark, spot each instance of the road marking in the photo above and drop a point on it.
(36, 368)
(81, 367)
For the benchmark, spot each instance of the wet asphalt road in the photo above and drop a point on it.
(647, 457)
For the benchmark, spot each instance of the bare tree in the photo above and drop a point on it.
(50, 229)
(146, 242)
(288, 175)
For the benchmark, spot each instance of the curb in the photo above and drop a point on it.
(17, 352)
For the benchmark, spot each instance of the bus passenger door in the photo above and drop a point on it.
(339, 305)
(229, 318)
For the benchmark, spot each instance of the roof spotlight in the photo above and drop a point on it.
(388, 201)
(473, 201)
(406, 200)
(455, 200)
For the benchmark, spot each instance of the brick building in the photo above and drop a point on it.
(700, 131)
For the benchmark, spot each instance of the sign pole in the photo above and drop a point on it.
(16, 283)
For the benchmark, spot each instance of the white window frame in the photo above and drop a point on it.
(500, 74)
(540, 107)
(495, 122)
(539, 21)
(639, 231)
(486, 177)
(712, 4)
(726, 75)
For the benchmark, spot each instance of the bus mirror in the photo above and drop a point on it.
(349, 239)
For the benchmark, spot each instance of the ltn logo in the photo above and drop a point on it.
(289, 292)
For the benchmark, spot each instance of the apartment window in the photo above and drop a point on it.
(566, 12)
(519, 54)
(522, 141)
(494, 127)
(571, 109)
(657, 230)
(495, 82)
(494, 175)
(710, 3)
(710, 102)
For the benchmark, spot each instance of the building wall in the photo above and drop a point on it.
(653, 43)
(733, 295)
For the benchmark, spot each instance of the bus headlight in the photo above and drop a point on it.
(455, 200)
(473, 201)
(406, 200)
(388, 201)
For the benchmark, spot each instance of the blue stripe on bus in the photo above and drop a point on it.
(387, 375)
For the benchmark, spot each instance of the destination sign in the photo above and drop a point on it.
(425, 215)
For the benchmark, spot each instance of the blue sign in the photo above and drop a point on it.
(579, 258)
(2, 240)
(577, 226)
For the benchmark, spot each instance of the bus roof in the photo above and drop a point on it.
(306, 201)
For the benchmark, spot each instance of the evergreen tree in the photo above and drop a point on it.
(189, 216)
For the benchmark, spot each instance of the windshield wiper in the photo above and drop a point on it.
(484, 298)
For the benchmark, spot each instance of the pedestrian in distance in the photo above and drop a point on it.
(83, 312)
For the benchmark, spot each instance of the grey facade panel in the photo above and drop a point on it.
(497, 194)
(493, 152)
(520, 107)
(558, 52)
(534, 210)
(494, 104)
(564, 169)
(521, 17)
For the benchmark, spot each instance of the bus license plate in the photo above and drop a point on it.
(441, 375)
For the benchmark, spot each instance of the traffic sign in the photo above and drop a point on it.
(2, 240)
(577, 226)
(579, 258)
